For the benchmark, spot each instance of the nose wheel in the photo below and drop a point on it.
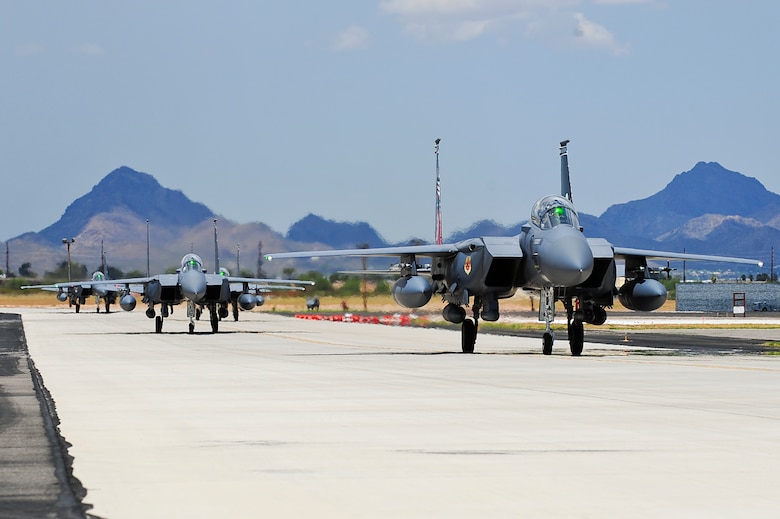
(547, 342)
(468, 335)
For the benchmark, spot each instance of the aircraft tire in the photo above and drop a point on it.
(235, 312)
(158, 324)
(214, 322)
(468, 336)
(192, 328)
(547, 343)
(576, 338)
(78, 307)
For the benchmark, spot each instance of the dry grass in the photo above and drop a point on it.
(297, 303)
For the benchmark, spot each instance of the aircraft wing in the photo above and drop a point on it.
(126, 281)
(234, 279)
(625, 252)
(419, 250)
(73, 284)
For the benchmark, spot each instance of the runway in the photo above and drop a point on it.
(280, 417)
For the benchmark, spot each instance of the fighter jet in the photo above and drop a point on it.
(551, 256)
(191, 283)
(199, 289)
(77, 292)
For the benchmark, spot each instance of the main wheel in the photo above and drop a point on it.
(158, 322)
(235, 312)
(547, 343)
(214, 322)
(78, 307)
(576, 337)
(192, 327)
(468, 336)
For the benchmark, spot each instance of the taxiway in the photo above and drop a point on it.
(280, 417)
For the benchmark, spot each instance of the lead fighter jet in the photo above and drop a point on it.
(551, 255)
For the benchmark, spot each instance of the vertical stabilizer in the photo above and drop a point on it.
(438, 232)
(565, 180)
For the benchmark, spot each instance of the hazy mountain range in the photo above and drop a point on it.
(708, 209)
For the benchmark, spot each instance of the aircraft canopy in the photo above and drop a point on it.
(552, 211)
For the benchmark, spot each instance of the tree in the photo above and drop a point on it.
(25, 271)
(322, 285)
(382, 287)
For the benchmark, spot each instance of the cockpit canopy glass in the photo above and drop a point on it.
(552, 211)
(191, 262)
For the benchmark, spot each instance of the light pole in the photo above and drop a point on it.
(67, 243)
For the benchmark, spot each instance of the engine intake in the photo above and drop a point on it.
(643, 295)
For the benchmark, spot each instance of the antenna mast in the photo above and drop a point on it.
(216, 248)
(437, 233)
(147, 249)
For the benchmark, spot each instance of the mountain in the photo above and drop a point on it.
(114, 214)
(708, 188)
(708, 210)
(337, 235)
(127, 192)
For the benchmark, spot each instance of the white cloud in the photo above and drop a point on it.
(462, 20)
(352, 38)
(30, 49)
(89, 49)
(597, 36)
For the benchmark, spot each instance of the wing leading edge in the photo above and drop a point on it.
(627, 252)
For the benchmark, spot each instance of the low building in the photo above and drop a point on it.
(719, 297)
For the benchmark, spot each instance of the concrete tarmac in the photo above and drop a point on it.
(280, 417)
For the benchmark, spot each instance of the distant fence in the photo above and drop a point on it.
(718, 297)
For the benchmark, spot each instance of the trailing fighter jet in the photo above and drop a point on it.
(551, 255)
(199, 289)
(77, 292)
(192, 284)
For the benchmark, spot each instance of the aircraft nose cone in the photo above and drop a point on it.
(567, 259)
(193, 285)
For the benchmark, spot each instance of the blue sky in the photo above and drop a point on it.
(266, 111)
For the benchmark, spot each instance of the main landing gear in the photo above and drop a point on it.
(194, 313)
(158, 319)
(574, 325)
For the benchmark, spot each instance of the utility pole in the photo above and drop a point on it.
(364, 258)
(7, 261)
(67, 243)
(260, 272)
(437, 232)
(238, 259)
(772, 267)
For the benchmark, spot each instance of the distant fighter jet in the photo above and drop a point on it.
(77, 292)
(192, 284)
(551, 255)
(199, 289)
